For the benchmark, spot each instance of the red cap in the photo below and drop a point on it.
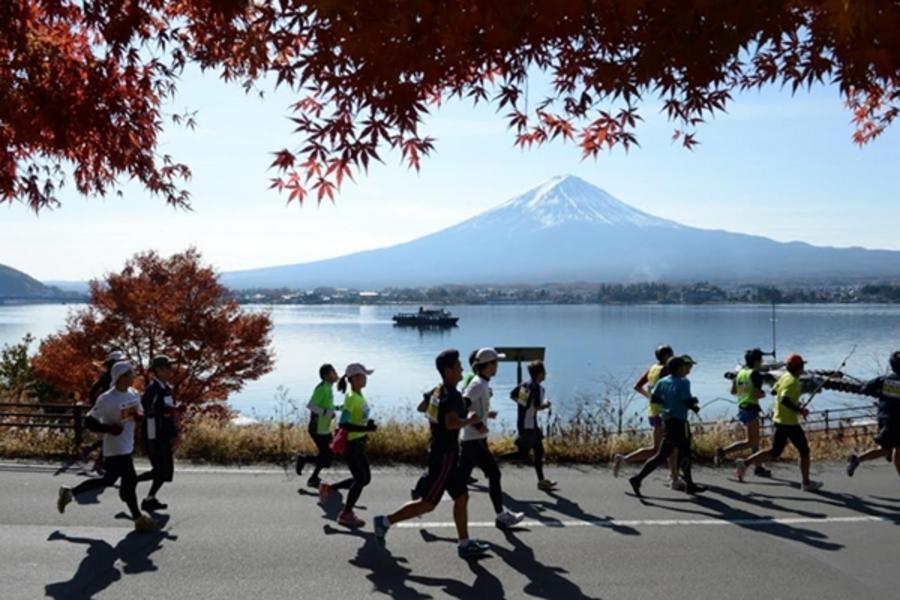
(794, 361)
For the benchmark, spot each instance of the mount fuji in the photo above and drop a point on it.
(567, 230)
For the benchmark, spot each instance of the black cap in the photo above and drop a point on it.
(160, 362)
(895, 362)
(664, 352)
(675, 363)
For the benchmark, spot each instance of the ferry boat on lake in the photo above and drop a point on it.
(426, 318)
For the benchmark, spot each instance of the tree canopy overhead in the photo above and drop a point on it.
(83, 83)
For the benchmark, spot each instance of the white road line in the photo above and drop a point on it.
(612, 523)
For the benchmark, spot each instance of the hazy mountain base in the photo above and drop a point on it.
(574, 441)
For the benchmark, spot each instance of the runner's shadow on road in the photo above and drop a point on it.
(716, 509)
(97, 570)
(764, 501)
(561, 505)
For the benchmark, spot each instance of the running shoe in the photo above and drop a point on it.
(811, 486)
(471, 481)
(85, 454)
(150, 504)
(65, 496)
(348, 519)
(719, 458)
(507, 519)
(618, 461)
(313, 482)
(473, 549)
(761, 471)
(324, 493)
(740, 469)
(145, 524)
(381, 527)
(98, 467)
(301, 462)
(678, 485)
(545, 485)
(852, 464)
(636, 486)
(694, 488)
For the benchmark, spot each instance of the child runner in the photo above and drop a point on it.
(644, 386)
(114, 415)
(673, 392)
(475, 450)
(530, 399)
(159, 430)
(321, 414)
(887, 389)
(788, 411)
(748, 387)
(446, 412)
(355, 420)
(103, 383)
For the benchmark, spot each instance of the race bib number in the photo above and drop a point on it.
(128, 413)
(434, 405)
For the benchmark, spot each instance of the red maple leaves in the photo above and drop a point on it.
(84, 82)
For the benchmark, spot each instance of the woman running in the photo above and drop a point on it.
(356, 422)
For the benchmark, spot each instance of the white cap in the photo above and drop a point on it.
(119, 369)
(356, 369)
(487, 355)
(115, 356)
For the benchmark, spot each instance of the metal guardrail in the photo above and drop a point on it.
(45, 415)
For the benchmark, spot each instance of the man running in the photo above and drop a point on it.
(788, 411)
(114, 415)
(530, 397)
(159, 430)
(673, 393)
(445, 413)
(475, 450)
(887, 389)
(748, 387)
(103, 383)
(321, 415)
(644, 386)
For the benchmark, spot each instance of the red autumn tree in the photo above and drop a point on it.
(83, 82)
(173, 306)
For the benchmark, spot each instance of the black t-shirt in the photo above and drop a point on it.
(756, 379)
(158, 411)
(448, 400)
(887, 389)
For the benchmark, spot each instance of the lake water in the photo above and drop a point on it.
(587, 346)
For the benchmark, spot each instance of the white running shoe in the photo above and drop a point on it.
(65, 496)
(508, 519)
(812, 486)
(618, 461)
(678, 485)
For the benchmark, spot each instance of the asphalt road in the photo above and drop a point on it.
(253, 534)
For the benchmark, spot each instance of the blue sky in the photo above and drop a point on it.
(775, 165)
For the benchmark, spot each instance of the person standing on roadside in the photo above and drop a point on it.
(160, 430)
(446, 413)
(357, 425)
(748, 387)
(114, 415)
(474, 448)
(321, 415)
(788, 411)
(887, 389)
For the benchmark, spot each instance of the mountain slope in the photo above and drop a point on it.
(18, 285)
(569, 230)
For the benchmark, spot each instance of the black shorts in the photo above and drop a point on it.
(795, 434)
(529, 438)
(888, 435)
(161, 459)
(476, 453)
(443, 475)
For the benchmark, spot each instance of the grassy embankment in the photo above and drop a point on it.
(576, 441)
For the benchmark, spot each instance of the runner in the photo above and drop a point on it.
(321, 414)
(114, 415)
(673, 393)
(159, 430)
(357, 424)
(475, 450)
(470, 375)
(530, 399)
(887, 389)
(445, 412)
(788, 411)
(100, 386)
(644, 386)
(748, 387)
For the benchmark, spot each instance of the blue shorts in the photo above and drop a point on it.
(655, 422)
(747, 415)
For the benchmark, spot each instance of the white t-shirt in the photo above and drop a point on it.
(118, 408)
(478, 393)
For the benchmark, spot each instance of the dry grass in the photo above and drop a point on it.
(402, 441)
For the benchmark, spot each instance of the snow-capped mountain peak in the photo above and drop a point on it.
(568, 199)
